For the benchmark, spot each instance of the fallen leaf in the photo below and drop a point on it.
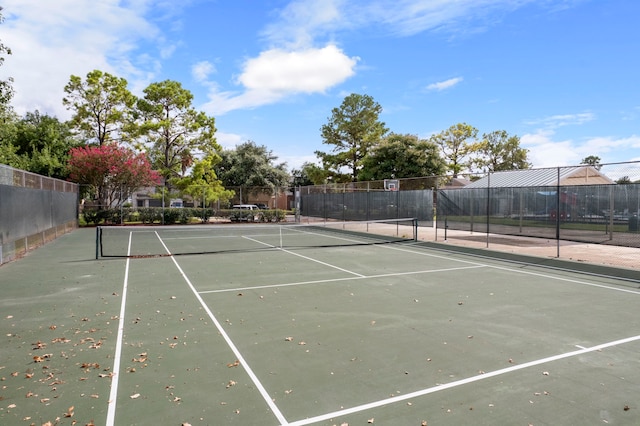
(69, 412)
(135, 396)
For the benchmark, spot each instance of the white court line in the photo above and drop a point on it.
(520, 271)
(331, 280)
(265, 395)
(457, 383)
(570, 280)
(113, 394)
(305, 257)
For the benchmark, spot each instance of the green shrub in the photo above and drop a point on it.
(91, 216)
(171, 216)
(149, 214)
(204, 214)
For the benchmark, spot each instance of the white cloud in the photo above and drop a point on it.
(308, 71)
(276, 74)
(296, 162)
(51, 41)
(229, 140)
(544, 151)
(202, 70)
(442, 85)
(301, 22)
(561, 120)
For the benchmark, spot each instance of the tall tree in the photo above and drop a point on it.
(173, 130)
(8, 150)
(456, 144)
(251, 169)
(6, 86)
(309, 174)
(402, 156)
(500, 152)
(44, 143)
(353, 129)
(203, 183)
(102, 107)
(592, 160)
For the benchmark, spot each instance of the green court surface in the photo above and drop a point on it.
(389, 334)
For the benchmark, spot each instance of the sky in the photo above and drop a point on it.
(560, 74)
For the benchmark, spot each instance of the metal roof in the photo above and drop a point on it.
(584, 175)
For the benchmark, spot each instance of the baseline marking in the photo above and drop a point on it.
(457, 383)
(265, 395)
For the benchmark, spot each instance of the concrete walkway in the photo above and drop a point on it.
(598, 254)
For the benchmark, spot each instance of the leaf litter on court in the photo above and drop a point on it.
(61, 360)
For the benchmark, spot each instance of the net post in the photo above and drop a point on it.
(415, 229)
(97, 241)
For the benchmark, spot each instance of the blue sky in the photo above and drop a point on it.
(561, 74)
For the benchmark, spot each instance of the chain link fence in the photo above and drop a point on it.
(158, 205)
(597, 204)
(34, 209)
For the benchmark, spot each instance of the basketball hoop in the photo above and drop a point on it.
(391, 184)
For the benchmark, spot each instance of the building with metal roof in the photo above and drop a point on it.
(568, 176)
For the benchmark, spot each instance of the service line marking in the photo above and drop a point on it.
(332, 280)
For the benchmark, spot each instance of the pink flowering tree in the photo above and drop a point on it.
(111, 173)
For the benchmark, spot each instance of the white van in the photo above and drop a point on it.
(244, 213)
(245, 207)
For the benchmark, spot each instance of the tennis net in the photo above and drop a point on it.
(154, 241)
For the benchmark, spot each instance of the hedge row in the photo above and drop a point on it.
(146, 215)
(172, 215)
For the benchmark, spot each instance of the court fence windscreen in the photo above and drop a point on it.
(154, 241)
(34, 209)
(598, 204)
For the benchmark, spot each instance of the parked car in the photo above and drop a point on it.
(244, 213)
(262, 206)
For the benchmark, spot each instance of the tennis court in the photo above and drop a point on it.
(284, 325)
